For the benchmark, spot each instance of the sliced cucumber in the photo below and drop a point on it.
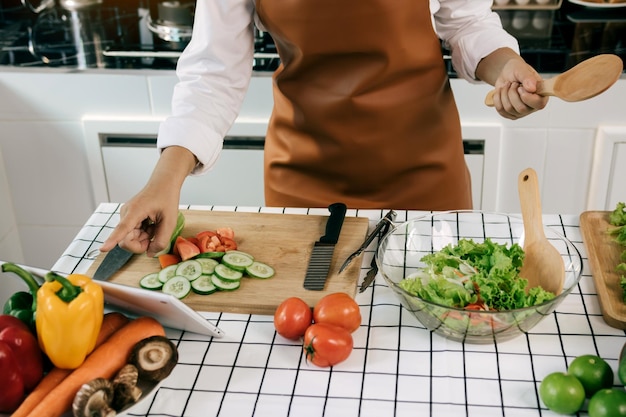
(208, 265)
(190, 269)
(178, 286)
(211, 255)
(203, 285)
(223, 284)
(237, 261)
(151, 282)
(180, 224)
(227, 274)
(166, 273)
(260, 270)
(241, 253)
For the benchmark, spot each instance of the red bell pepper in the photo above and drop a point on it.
(21, 362)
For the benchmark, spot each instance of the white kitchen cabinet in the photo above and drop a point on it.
(608, 176)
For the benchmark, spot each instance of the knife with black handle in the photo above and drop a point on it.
(322, 255)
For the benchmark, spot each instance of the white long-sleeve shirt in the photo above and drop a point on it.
(215, 68)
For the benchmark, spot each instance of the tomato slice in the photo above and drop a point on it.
(229, 244)
(203, 233)
(226, 232)
(185, 248)
(168, 259)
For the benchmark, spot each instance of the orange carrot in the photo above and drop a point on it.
(110, 324)
(168, 259)
(104, 362)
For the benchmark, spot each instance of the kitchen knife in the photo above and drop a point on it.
(322, 255)
(113, 261)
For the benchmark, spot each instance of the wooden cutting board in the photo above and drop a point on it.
(284, 241)
(604, 255)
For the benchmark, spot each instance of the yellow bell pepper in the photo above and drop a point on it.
(68, 318)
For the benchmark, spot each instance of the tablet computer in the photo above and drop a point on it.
(167, 309)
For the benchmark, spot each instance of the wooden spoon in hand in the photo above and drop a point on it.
(543, 265)
(586, 80)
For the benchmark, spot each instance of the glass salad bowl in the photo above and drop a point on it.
(457, 273)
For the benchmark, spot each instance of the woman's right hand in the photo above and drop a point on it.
(147, 220)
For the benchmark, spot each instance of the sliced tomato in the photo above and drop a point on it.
(185, 248)
(229, 244)
(193, 240)
(226, 232)
(207, 244)
(203, 233)
(168, 259)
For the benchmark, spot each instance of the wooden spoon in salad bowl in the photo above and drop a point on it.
(543, 265)
(585, 80)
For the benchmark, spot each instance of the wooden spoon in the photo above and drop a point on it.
(543, 265)
(586, 80)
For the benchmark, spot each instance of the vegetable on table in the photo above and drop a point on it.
(339, 309)
(22, 304)
(103, 362)
(326, 344)
(21, 362)
(111, 322)
(69, 317)
(154, 357)
(292, 317)
(617, 218)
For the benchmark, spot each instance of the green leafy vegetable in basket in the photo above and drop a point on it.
(478, 276)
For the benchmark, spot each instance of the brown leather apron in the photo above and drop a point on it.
(363, 110)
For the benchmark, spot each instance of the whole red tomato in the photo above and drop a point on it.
(326, 344)
(292, 317)
(338, 309)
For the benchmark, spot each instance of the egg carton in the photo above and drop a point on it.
(526, 4)
(528, 24)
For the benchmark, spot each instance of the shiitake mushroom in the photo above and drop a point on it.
(125, 389)
(154, 357)
(93, 399)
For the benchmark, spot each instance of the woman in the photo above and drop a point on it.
(363, 110)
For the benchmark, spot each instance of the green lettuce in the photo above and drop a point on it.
(471, 272)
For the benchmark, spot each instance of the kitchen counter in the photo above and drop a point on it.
(397, 368)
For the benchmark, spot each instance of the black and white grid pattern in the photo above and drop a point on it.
(397, 368)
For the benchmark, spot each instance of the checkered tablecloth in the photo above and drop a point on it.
(397, 368)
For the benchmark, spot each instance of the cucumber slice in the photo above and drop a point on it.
(241, 253)
(237, 261)
(203, 285)
(211, 255)
(223, 284)
(227, 274)
(190, 269)
(178, 286)
(208, 265)
(180, 224)
(260, 270)
(166, 273)
(151, 281)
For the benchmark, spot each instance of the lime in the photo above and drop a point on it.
(562, 393)
(610, 402)
(593, 372)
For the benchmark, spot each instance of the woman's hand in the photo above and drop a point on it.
(515, 84)
(148, 219)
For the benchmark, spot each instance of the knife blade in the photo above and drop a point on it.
(113, 261)
(323, 249)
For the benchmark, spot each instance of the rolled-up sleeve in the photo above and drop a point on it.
(214, 72)
(471, 30)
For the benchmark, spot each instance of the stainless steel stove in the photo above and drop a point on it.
(129, 34)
